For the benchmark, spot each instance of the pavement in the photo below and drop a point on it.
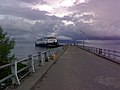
(78, 69)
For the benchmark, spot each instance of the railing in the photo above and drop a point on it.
(30, 64)
(109, 54)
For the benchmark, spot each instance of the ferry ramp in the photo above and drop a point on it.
(78, 69)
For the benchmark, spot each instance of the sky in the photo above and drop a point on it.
(65, 19)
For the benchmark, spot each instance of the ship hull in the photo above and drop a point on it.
(47, 44)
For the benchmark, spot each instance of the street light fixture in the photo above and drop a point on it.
(83, 38)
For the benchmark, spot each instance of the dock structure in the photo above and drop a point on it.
(69, 67)
(78, 69)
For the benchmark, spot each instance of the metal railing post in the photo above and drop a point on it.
(104, 52)
(42, 60)
(31, 64)
(48, 54)
(15, 79)
(46, 57)
(109, 53)
(96, 50)
(114, 54)
(101, 51)
(39, 58)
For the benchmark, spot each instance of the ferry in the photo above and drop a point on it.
(47, 42)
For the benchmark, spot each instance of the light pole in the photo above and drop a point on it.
(83, 38)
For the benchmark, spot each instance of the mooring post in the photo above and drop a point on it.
(15, 79)
(31, 64)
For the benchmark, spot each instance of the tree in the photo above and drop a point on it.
(6, 45)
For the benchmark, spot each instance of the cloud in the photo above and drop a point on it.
(65, 20)
(34, 1)
(9, 22)
(23, 10)
(64, 38)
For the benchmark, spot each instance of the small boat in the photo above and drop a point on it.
(47, 42)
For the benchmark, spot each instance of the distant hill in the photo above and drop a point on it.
(68, 41)
(103, 38)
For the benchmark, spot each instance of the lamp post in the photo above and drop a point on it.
(83, 38)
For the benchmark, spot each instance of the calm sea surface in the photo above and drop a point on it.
(23, 49)
(109, 47)
(106, 44)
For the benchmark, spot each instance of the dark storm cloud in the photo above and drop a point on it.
(106, 14)
(34, 1)
(17, 25)
(24, 12)
(104, 18)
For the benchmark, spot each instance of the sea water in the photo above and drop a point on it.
(105, 44)
(113, 45)
(23, 49)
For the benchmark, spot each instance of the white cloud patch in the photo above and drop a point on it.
(68, 22)
(64, 38)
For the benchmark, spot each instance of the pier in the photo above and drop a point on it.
(76, 68)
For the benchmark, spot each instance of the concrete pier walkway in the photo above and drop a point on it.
(77, 69)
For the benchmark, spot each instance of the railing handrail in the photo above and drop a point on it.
(6, 65)
(103, 49)
(22, 60)
(30, 64)
(104, 52)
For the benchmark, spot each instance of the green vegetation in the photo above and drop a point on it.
(6, 45)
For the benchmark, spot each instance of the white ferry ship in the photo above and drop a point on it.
(47, 42)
